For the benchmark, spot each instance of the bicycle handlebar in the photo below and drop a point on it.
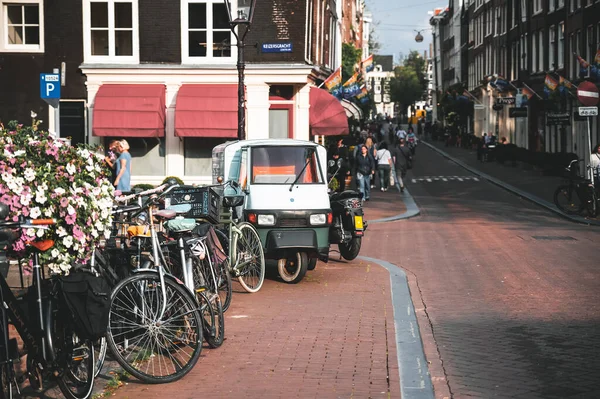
(25, 222)
(123, 198)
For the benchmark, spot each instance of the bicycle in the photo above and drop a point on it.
(155, 326)
(54, 351)
(246, 255)
(578, 194)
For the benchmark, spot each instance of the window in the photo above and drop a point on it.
(22, 26)
(573, 62)
(523, 11)
(561, 3)
(198, 155)
(534, 53)
(284, 165)
(514, 14)
(537, 6)
(551, 47)
(561, 45)
(206, 35)
(551, 5)
(110, 31)
(591, 45)
(541, 50)
(147, 155)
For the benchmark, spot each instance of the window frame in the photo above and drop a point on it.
(5, 47)
(560, 51)
(537, 7)
(208, 59)
(552, 47)
(134, 58)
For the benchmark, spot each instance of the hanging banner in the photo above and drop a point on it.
(334, 83)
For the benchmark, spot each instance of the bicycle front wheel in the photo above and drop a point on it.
(153, 348)
(250, 258)
(76, 358)
(567, 200)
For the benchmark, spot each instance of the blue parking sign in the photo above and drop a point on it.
(49, 86)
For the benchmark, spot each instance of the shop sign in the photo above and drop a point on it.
(515, 112)
(558, 119)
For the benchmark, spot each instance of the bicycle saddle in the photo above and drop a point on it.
(165, 214)
(42, 245)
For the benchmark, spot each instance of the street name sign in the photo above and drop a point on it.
(588, 111)
(506, 100)
(277, 47)
(515, 112)
(587, 93)
(50, 88)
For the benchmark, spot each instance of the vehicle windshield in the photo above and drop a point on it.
(284, 165)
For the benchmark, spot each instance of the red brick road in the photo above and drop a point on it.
(331, 336)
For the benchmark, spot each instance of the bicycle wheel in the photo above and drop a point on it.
(214, 322)
(100, 355)
(76, 359)
(224, 282)
(151, 348)
(567, 200)
(592, 205)
(220, 284)
(250, 258)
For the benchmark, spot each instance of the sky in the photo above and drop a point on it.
(395, 23)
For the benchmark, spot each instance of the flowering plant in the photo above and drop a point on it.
(43, 177)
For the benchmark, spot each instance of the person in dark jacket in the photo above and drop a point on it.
(402, 157)
(364, 169)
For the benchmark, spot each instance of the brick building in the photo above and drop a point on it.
(163, 74)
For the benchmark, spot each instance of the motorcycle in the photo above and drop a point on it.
(348, 224)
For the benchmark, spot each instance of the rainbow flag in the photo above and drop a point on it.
(351, 88)
(527, 93)
(363, 96)
(334, 83)
(566, 83)
(550, 83)
(584, 64)
(367, 64)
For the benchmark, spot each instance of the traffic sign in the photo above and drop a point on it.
(588, 111)
(505, 100)
(50, 88)
(587, 93)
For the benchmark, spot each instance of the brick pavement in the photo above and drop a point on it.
(384, 204)
(331, 336)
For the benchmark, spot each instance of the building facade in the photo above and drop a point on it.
(378, 84)
(522, 42)
(163, 75)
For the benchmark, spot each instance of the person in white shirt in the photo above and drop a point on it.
(401, 134)
(595, 164)
(384, 165)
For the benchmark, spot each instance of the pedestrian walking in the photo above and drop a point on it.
(402, 161)
(384, 162)
(365, 168)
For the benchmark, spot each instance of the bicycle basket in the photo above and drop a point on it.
(231, 201)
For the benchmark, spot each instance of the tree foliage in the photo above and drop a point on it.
(374, 45)
(405, 87)
(418, 64)
(350, 58)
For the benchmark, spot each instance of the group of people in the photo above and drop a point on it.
(119, 160)
(380, 157)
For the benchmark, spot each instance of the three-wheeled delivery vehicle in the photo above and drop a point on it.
(286, 199)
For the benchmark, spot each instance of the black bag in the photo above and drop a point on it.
(88, 298)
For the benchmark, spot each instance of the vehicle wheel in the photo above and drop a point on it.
(592, 206)
(224, 281)
(292, 270)
(100, 354)
(76, 357)
(312, 263)
(154, 351)
(567, 200)
(250, 258)
(350, 250)
(214, 322)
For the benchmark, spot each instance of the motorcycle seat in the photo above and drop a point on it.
(344, 195)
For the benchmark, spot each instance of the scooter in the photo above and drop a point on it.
(348, 225)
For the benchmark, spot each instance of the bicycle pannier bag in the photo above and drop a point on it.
(88, 298)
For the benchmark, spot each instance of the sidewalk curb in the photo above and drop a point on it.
(415, 379)
(535, 199)
(412, 209)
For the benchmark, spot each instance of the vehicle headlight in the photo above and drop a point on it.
(319, 218)
(266, 220)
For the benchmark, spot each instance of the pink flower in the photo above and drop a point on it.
(64, 202)
(77, 233)
(70, 219)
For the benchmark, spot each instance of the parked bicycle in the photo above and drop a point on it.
(42, 319)
(578, 194)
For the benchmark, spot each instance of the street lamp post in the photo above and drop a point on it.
(240, 17)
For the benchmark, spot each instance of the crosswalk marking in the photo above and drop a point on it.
(431, 179)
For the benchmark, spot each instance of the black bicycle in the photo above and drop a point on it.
(578, 194)
(54, 351)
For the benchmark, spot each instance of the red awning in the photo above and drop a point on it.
(327, 116)
(206, 110)
(129, 110)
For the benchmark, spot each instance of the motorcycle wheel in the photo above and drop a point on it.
(292, 270)
(350, 250)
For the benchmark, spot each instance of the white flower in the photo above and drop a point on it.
(29, 174)
(89, 168)
(8, 154)
(40, 196)
(55, 252)
(25, 199)
(60, 190)
(18, 153)
(30, 232)
(70, 210)
(61, 231)
(33, 115)
(68, 241)
(48, 212)
(71, 169)
(35, 212)
(99, 226)
(40, 233)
